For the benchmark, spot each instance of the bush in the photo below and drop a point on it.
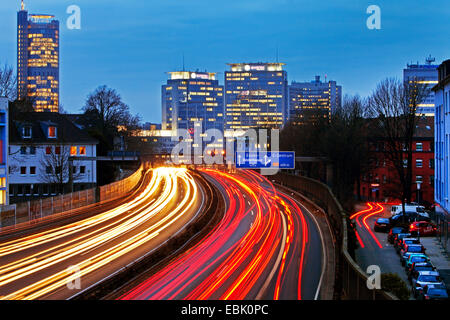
(394, 284)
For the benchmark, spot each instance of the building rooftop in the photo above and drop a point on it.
(39, 122)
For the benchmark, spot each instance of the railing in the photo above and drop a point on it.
(351, 280)
(443, 227)
(24, 214)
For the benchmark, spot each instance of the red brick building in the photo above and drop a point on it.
(381, 183)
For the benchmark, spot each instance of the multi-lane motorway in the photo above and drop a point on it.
(47, 265)
(266, 246)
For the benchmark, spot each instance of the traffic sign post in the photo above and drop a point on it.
(265, 160)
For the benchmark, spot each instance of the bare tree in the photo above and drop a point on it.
(58, 167)
(108, 116)
(394, 107)
(8, 83)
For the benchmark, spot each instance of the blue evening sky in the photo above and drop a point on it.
(130, 45)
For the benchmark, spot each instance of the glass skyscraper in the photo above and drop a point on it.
(310, 100)
(38, 60)
(255, 96)
(193, 98)
(427, 75)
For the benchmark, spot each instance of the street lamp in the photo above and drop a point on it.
(418, 191)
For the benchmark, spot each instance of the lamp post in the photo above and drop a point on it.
(418, 191)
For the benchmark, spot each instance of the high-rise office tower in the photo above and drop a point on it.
(255, 96)
(427, 75)
(192, 97)
(309, 101)
(38, 60)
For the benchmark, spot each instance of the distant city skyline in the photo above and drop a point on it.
(131, 46)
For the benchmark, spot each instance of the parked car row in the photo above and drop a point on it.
(419, 228)
(425, 279)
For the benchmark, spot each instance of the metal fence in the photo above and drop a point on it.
(31, 212)
(351, 280)
(443, 227)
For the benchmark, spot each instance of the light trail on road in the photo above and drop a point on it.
(256, 251)
(96, 242)
(361, 219)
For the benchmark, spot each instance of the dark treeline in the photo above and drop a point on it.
(343, 138)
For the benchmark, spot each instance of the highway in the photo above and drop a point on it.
(48, 264)
(267, 246)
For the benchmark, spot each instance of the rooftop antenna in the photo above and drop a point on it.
(430, 60)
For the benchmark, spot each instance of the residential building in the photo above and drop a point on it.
(49, 155)
(382, 181)
(442, 137)
(4, 141)
(38, 60)
(255, 96)
(309, 101)
(426, 75)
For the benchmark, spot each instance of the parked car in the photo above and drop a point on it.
(406, 241)
(398, 238)
(393, 232)
(381, 224)
(425, 278)
(433, 292)
(416, 267)
(416, 257)
(395, 210)
(408, 217)
(423, 228)
(409, 250)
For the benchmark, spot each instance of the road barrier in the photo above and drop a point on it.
(29, 213)
(351, 280)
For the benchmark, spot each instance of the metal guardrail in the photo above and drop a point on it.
(351, 280)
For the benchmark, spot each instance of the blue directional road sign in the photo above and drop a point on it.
(265, 160)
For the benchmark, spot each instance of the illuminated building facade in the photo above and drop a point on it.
(442, 138)
(310, 100)
(4, 146)
(425, 74)
(38, 60)
(190, 99)
(255, 96)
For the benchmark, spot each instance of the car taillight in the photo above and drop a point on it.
(427, 298)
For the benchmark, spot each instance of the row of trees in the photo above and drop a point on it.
(388, 114)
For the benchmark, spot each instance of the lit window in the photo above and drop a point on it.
(48, 150)
(73, 151)
(52, 132)
(82, 151)
(57, 150)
